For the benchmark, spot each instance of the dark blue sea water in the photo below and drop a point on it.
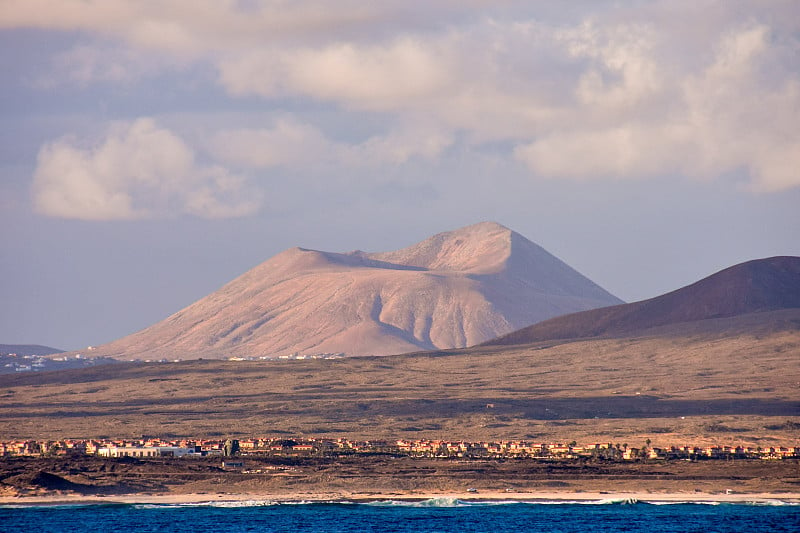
(432, 515)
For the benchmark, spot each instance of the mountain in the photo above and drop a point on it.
(454, 289)
(27, 349)
(756, 286)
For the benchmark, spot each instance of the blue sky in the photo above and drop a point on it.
(152, 151)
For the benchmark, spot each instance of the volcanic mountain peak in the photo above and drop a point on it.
(480, 248)
(452, 290)
(304, 259)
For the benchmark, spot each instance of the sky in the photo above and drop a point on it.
(151, 151)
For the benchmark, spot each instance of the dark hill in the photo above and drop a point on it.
(755, 286)
(28, 349)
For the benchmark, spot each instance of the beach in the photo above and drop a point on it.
(411, 496)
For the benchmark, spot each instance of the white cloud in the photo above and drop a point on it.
(724, 118)
(84, 64)
(401, 145)
(621, 71)
(290, 143)
(587, 91)
(140, 170)
(197, 26)
(373, 77)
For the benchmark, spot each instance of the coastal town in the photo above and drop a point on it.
(422, 448)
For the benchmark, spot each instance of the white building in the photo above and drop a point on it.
(145, 451)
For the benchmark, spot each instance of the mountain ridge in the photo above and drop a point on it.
(758, 285)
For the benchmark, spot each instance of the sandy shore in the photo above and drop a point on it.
(583, 497)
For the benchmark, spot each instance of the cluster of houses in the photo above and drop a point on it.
(296, 356)
(525, 449)
(152, 447)
(12, 362)
(157, 447)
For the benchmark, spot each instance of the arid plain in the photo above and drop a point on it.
(704, 384)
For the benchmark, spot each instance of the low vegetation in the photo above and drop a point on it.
(701, 388)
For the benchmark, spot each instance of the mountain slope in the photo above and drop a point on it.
(454, 289)
(755, 286)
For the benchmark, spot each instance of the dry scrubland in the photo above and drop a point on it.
(705, 385)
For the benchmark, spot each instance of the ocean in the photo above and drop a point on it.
(393, 516)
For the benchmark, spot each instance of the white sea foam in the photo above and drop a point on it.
(681, 502)
(242, 503)
(60, 505)
(429, 503)
(618, 501)
(455, 502)
(432, 502)
(770, 502)
(231, 504)
(556, 502)
(615, 501)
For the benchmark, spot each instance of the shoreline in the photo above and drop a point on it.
(409, 497)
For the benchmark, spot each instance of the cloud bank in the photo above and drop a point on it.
(139, 170)
(586, 91)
